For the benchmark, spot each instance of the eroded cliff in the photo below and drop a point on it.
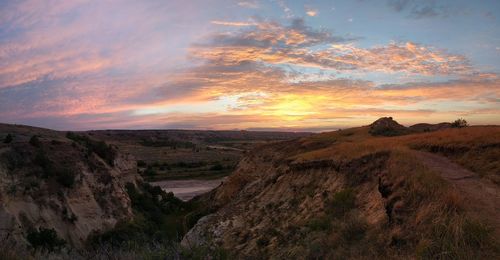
(69, 183)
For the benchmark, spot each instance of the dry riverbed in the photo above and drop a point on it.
(187, 189)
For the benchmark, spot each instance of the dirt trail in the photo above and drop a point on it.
(482, 196)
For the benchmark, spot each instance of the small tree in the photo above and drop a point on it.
(35, 141)
(459, 123)
(150, 171)
(66, 177)
(7, 139)
(45, 239)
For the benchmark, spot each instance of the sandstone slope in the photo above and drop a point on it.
(74, 186)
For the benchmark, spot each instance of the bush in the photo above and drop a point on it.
(353, 230)
(157, 216)
(7, 139)
(66, 177)
(319, 224)
(35, 141)
(261, 242)
(150, 171)
(217, 167)
(45, 239)
(43, 161)
(342, 202)
(141, 163)
(103, 150)
(459, 123)
(14, 159)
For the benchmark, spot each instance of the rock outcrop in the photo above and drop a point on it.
(61, 184)
(386, 126)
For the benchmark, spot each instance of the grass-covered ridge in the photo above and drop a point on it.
(350, 194)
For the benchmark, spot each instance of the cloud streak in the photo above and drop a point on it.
(299, 44)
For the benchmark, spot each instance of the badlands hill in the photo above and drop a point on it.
(379, 191)
(67, 184)
(79, 195)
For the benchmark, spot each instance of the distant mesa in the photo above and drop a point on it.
(387, 126)
(423, 127)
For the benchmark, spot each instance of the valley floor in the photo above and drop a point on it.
(188, 189)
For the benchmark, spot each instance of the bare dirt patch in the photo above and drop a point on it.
(482, 196)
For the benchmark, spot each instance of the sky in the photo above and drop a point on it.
(254, 64)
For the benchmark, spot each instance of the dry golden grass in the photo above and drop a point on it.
(436, 223)
(476, 148)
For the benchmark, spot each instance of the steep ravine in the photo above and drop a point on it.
(273, 205)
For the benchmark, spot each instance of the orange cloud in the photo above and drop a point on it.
(311, 11)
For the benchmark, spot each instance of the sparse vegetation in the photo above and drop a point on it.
(66, 177)
(320, 224)
(44, 162)
(35, 141)
(141, 163)
(8, 138)
(459, 123)
(149, 171)
(45, 239)
(158, 216)
(341, 203)
(217, 167)
(103, 150)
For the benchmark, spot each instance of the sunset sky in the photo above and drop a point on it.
(261, 64)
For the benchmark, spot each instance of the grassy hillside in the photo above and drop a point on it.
(349, 194)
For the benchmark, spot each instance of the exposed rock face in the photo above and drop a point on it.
(267, 205)
(37, 188)
(386, 126)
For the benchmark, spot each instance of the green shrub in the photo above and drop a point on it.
(158, 217)
(150, 171)
(319, 224)
(217, 167)
(43, 161)
(66, 177)
(459, 123)
(353, 230)
(341, 203)
(45, 239)
(141, 163)
(14, 159)
(7, 139)
(35, 141)
(103, 150)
